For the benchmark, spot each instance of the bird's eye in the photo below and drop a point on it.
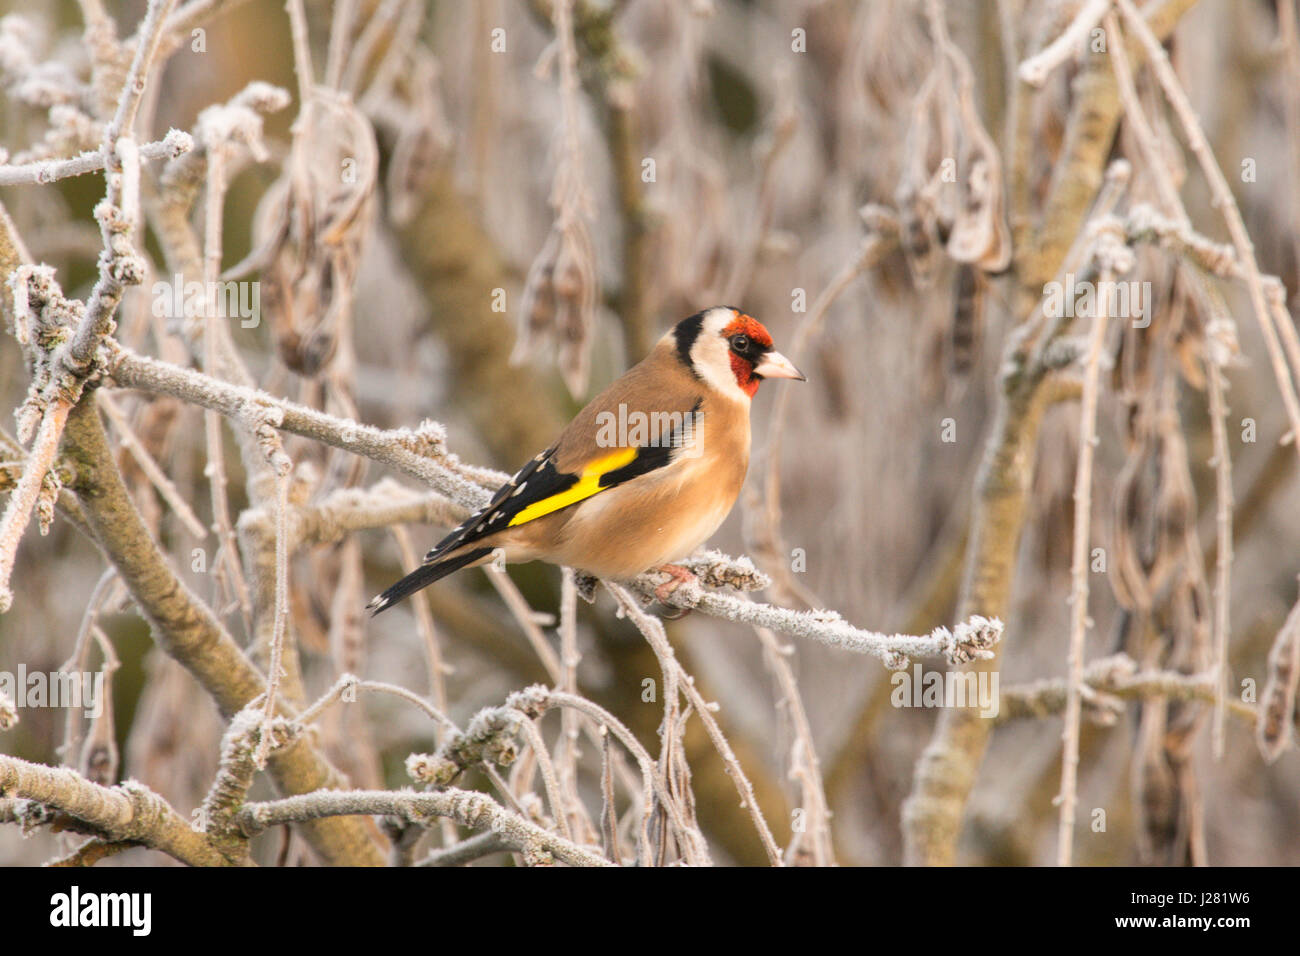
(740, 343)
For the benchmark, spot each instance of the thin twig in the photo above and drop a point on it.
(276, 666)
(1118, 677)
(654, 633)
(547, 769)
(804, 765)
(1216, 384)
(1067, 46)
(466, 851)
(302, 67)
(44, 171)
(23, 499)
(1079, 574)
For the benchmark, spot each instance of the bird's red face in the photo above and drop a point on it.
(751, 354)
(746, 338)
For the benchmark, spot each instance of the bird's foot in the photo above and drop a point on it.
(586, 585)
(678, 577)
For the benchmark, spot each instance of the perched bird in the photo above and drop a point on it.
(642, 476)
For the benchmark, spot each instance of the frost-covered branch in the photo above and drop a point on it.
(468, 808)
(970, 641)
(420, 453)
(1108, 682)
(127, 813)
(44, 171)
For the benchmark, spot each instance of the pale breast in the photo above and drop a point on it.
(665, 515)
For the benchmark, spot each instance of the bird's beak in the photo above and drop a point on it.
(776, 365)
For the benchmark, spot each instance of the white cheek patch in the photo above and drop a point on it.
(711, 355)
(714, 365)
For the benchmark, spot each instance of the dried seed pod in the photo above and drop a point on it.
(1277, 705)
(968, 319)
(559, 302)
(311, 226)
(980, 234)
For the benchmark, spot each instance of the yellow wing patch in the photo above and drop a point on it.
(588, 484)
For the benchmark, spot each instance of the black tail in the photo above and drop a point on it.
(422, 577)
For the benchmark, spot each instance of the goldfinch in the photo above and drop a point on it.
(642, 476)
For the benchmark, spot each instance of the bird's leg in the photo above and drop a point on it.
(678, 576)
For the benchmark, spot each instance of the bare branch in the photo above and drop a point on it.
(466, 807)
(127, 813)
(51, 170)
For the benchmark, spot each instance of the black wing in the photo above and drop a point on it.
(537, 480)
